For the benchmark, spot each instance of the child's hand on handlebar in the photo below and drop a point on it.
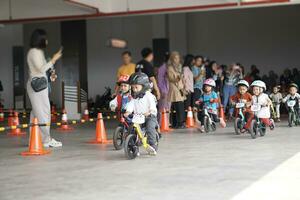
(213, 100)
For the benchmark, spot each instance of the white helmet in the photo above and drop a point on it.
(260, 84)
(243, 82)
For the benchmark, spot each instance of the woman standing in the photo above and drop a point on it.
(188, 80)
(176, 89)
(38, 90)
(233, 75)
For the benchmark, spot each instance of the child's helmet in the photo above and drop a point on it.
(123, 79)
(259, 83)
(243, 83)
(293, 85)
(210, 82)
(140, 78)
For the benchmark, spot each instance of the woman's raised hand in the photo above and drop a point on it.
(56, 56)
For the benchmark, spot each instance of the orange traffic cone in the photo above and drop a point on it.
(35, 142)
(53, 114)
(190, 123)
(86, 116)
(164, 122)
(16, 122)
(1, 115)
(222, 116)
(100, 132)
(64, 120)
(10, 118)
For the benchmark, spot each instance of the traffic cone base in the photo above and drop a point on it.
(100, 141)
(35, 153)
(35, 142)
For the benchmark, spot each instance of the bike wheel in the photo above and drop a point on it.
(118, 138)
(253, 129)
(262, 130)
(131, 147)
(237, 126)
(206, 124)
(290, 119)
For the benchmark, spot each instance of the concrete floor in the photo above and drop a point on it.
(189, 165)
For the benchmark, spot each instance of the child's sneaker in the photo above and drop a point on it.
(151, 150)
(201, 129)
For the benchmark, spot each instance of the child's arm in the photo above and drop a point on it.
(129, 109)
(152, 106)
(113, 104)
(233, 100)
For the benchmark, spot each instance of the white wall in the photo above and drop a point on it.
(10, 35)
(103, 61)
(268, 37)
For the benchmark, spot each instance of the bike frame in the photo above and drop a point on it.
(140, 135)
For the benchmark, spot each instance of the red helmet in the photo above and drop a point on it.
(123, 79)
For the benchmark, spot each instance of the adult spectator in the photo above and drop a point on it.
(146, 67)
(163, 85)
(176, 87)
(233, 75)
(199, 73)
(38, 66)
(188, 80)
(126, 69)
(216, 73)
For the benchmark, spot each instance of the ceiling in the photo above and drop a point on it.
(23, 11)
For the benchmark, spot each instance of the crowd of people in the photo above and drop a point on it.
(177, 85)
(181, 81)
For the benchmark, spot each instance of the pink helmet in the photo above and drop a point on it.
(210, 82)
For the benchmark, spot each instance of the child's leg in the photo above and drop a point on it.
(278, 110)
(248, 117)
(151, 124)
(268, 122)
(201, 116)
(217, 119)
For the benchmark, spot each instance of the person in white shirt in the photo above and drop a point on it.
(276, 98)
(38, 66)
(293, 95)
(144, 102)
(259, 97)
